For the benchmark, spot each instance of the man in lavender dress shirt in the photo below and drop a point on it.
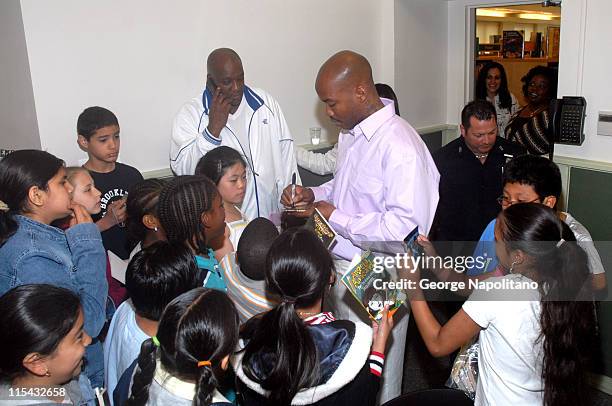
(385, 183)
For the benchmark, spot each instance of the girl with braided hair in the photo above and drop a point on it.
(183, 364)
(142, 223)
(191, 213)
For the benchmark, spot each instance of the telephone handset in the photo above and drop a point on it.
(567, 121)
(211, 85)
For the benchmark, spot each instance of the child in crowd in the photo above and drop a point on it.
(85, 193)
(536, 179)
(142, 222)
(184, 362)
(34, 193)
(191, 213)
(244, 270)
(98, 135)
(527, 179)
(297, 354)
(155, 276)
(43, 343)
(227, 169)
(533, 342)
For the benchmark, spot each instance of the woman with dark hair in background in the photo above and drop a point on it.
(298, 354)
(184, 363)
(530, 126)
(325, 164)
(534, 342)
(492, 86)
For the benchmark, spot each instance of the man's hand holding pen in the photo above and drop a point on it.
(299, 201)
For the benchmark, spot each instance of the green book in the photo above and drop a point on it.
(367, 280)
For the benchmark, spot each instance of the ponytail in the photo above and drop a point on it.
(567, 321)
(144, 374)
(197, 330)
(298, 270)
(295, 364)
(205, 386)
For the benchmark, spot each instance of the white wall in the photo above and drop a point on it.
(584, 65)
(143, 59)
(18, 126)
(420, 60)
(486, 29)
(584, 69)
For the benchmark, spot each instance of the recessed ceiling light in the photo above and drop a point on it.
(481, 12)
(533, 16)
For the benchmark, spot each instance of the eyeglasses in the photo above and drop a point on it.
(505, 202)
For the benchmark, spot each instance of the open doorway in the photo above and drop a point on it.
(519, 37)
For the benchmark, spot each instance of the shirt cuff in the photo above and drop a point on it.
(211, 138)
(377, 362)
(339, 220)
(319, 193)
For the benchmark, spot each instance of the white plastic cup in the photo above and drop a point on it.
(315, 135)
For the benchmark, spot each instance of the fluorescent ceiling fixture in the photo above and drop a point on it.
(489, 13)
(532, 16)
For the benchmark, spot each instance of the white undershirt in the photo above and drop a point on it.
(238, 123)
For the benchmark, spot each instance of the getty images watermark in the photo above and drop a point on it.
(458, 264)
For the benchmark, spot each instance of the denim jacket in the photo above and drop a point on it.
(74, 259)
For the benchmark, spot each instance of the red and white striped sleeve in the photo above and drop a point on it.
(377, 362)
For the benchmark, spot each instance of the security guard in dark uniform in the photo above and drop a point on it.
(471, 169)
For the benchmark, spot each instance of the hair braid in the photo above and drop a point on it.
(143, 198)
(144, 374)
(181, 205)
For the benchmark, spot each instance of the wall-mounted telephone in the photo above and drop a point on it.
(567, 122)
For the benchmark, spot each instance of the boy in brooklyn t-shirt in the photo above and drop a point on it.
(98, 135)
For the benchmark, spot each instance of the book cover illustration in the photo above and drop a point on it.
(322, 229)
(361, 280)
(412, 246)
(513, 44)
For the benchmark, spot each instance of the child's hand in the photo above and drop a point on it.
(115, 214)
(79, 215)
(118, 210)
(428, 247)
(382, 330)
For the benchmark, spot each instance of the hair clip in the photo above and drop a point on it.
(204, 364)
(560, 243)
(155, 341)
